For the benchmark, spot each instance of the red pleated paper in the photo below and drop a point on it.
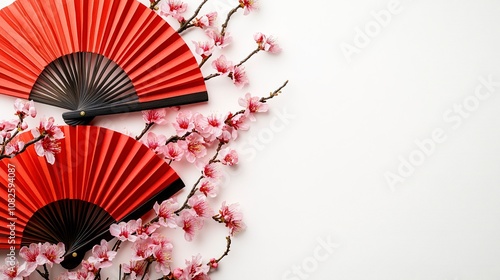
(34, 33)
(96, 165)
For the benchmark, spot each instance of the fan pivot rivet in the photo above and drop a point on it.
(74, 255)
(82, 113)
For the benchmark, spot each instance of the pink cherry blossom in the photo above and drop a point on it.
(220, 40)
(155, 142)
(200, 206)
(228, 134)
(229, 156)
(211, 126)
(173, 8)
(50, 254)
(125, 231)
(239, 76)
(135, 269)
(204, 49)
(267, 44)
(194, 147)
(240, 122)
(14, 147)
(163, 258)
(222, 65)
(156, 116)
(177, 273)
(145, 230)
(253, 105)
(195, 269)
(102, 255)
(25, 108)
(142, 250)
(211, 171)
(47, 127)
(48, 147)
(87, 271)
(69, 275)
(30, 255)
(172, 151)
(8, 125)
(208, 187)
(206, 21)
(190, 223)
(183, 123)
(165, 212)
(13, 271)
(231, 217)
(159, 240)
(248, 6)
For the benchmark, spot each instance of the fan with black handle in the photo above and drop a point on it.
(100, 177)
(95, 58)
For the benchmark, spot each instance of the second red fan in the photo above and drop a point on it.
(100, 177)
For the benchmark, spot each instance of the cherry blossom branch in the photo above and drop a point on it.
(204, 60)
(187, 24)
(148, 264)
(228, 248)
(45, 274)
(26, 145)
(154, 5)
(8, 140)
(222, 32)
(254, 52)
(147, 127)
(193, 191)
(248, 57)
(195, 186)
(228, 17)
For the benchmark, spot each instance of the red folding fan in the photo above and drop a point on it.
(95, 58)
(100, 177)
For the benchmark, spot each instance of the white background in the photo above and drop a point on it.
(313, 170)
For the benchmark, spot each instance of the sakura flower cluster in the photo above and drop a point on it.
(218, 38)
(151, 248)
(34, 255)
(102, 257)
(196, 133)
(46, 135)
(236, 72)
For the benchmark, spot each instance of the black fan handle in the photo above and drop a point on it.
(79, 117)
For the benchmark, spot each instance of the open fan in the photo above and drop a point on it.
(95, 58)
(100, 177)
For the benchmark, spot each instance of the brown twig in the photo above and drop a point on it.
(228, 248)
(187, 24)
(147, 127)
(228, 17)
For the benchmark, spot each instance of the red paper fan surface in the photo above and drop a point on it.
(100, 177)
(95, 58)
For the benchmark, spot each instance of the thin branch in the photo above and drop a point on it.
(187, 24)
(146, 128)
(228, 247)
(254, 52)
(274, 93)
(26, 145)
(154, 5)
(229, 15)
(211, 76)
(205, 59)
